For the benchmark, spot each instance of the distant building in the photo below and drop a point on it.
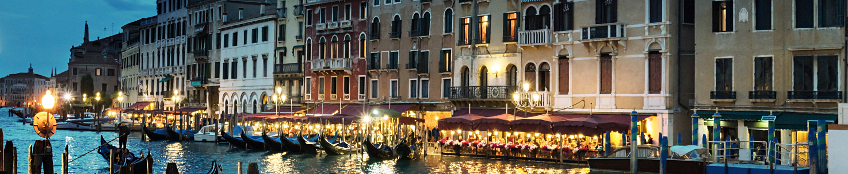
(22, 89)
(98, 58)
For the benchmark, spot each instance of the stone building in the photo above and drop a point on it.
(288, 66)
(164, 50)
(22, 89)
(101, 60)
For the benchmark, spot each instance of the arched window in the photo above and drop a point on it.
(226, 107)
(375, 28)
(235, 107)
(362, 45)
(530, 17)
(334, 47)
(544, 17)
(346, 49)
(545, 77)
(397, 25)
(414, 26)
(264, 103)
(484, 82)
(425, 25)
(254, 107)
(308, 49)
(511, 75)
(448, 21)
(466, 76)
(530, 75)
(321, 44)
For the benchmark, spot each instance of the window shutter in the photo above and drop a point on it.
(559, 17)
(506, 26)
(563, 75)
(606, 74)
(412, 63)
(763, 14)
(423, 61)
(613, 11)
(655, 73)
(517, 23)
(840, 13)
(489, 29)
(570, 18)
(716, 16)
(730, 11)
(599, 11)
(803, 13)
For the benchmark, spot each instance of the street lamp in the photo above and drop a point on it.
(525, 99)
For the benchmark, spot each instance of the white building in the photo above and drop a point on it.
(247, 58)
(164, 54)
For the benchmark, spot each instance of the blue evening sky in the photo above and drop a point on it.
(42, 32)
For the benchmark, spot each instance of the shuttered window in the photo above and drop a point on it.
(346, 85)
(655, 14)
(564, 16)
(510, 26)
(606, 11)
(654, 73)
(763, 14)
(606, 74)
(724, 74)
(563, 75)
(804, 14)
(722, 16)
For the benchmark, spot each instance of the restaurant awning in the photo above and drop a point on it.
(165, 79)
(483, 112)
(260, 116)
(190, 109)
(494, 123)
(139, 105)
(355, 110)
(284, 109)
(539, 124)
(463, 122)
(324, 110)
(397, 107)
(784, 120)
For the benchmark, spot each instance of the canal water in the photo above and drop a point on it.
(197, 157)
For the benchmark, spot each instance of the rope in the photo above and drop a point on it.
(92, 150)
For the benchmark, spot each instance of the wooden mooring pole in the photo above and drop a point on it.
(65, 161)
(239, 168)
(172, 169)
(253, 168)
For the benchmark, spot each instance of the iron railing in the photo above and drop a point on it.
(288, 68)
(603, 31)
(482, 92)
(762, 94)
(722, 94)
(814, 95)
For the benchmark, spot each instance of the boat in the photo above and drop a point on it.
(253, 142)
(334, 147)
(405, 151)
(648, 160)
(291, 144)
(235, 141)
(308, 145)
(159, 134)
(175, 135)
(207, 133)
(130, 161)
(65, 125)
(216, 168)
(273, 143)
(381, 152)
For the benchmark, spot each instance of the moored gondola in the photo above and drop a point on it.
(160, 134)
(235, 141)
(291, 143)
(273, 143)
(253, 142)
(124, 158)
(334, 148)
(310, 147)
(382, 152)
(216, 168)
(176, 134)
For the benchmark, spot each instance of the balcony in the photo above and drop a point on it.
(200, 53)
(723, 96)
(534, 37)
(762, 96)
(413, 33)
(345, 24)
(199, 81)
(289, 68)
(332, 25)
(392, 66)
(281, 13)
(394, 35)
(603, 31)
(814, 95)
(299, 37)
(321, 26)
(331, 64)
(482, 92)
(298, 10)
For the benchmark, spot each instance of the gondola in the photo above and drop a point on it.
(160, 134)
(175, 135)
(273, 143)
(216, 168)
(310, 147)
(407, 151)
(253, 142)
(235, 141)
(382, 152)
(291, 143)
(131, 162)
(333, 147)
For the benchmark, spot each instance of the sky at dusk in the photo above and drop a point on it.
(42, 32)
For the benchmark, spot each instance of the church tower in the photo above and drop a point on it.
(85, 38)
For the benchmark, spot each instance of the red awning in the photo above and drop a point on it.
(324, 110)
(189, 110)
(260, 116)
(284, 109)
(463, 122)
(139, 105)
(539, 124)
(355, 110)
(396, 107)
(494, 123)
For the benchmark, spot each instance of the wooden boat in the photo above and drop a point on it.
(310, 147)
(405, 151)
(216, 168)
(160, 134)
(253, 142)
(334, 148)
(129, 162)
(648, 160)
(235, 141)
(273, 143)
(175, 135)
(291, 143)
(382, 152)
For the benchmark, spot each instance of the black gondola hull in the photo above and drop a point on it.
(173, 135)
(307, 147)
(153, 135)
(373, 152)
(290, 146)
(233, 140)
(272, 144)
(252, 144)
(329, 148)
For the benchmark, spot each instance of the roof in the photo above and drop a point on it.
(26, 76)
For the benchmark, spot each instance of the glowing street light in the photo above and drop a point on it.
(47, 101)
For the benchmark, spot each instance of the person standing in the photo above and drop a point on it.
(123, 132)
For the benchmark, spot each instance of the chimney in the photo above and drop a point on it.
(241, 13)
(224, 18)
(262, 9)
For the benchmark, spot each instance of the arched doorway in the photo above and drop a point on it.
(464, 82)
(484, 82)
(545, 77)
(511, 75)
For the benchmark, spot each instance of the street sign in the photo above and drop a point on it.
(768, 118)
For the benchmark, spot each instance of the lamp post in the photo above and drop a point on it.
(100, 113)
(120, 99)
(525, 99)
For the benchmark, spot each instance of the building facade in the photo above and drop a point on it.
(335, 67)
(23, 89)
(98, 60)
(164, 54)
(203, 62)
(247, 56)
(288, 65)
(763, 57)
(130, 63)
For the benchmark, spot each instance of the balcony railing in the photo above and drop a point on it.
(200, 52)
(603, 31)
(392, 66)
(281, 12)
(533, 37)
(762, 94)
(394, 35)
(288, 68)
(298, 10)
(199, 81)
(332, 25)
(320, 26)
(833, 95)
(482, 92)
(331, 64)
(345, 24)
(722, 94)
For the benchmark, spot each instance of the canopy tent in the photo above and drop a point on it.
(354, 110)
(540, 123)
(396, 107)
(324, 110)
(284, 109)
(591, 124)
(189, 109)
(139, 105)
(463, 122)
(493, 123)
